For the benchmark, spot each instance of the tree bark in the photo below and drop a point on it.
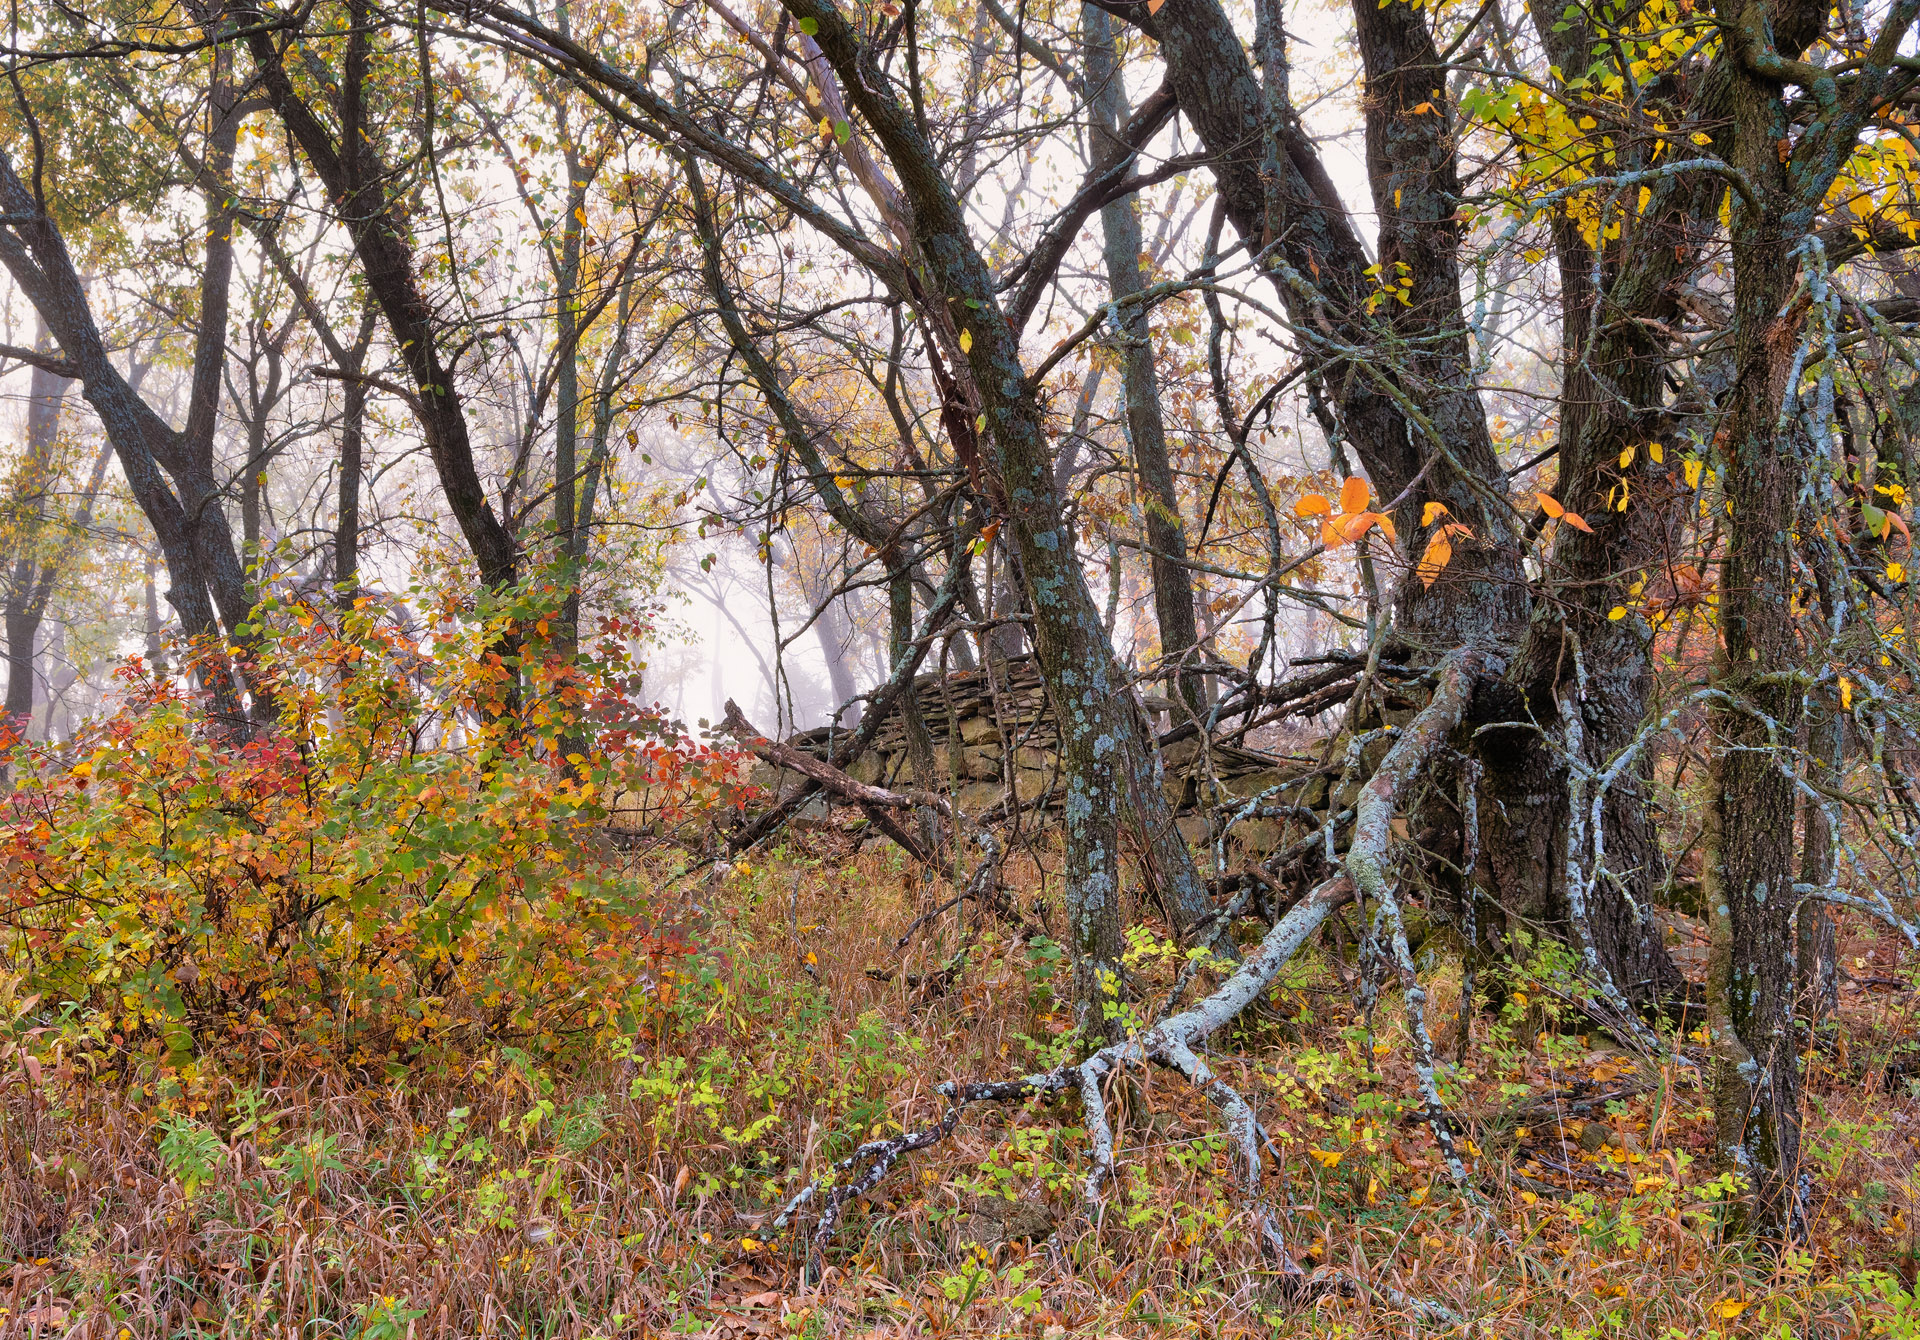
(1140, 385)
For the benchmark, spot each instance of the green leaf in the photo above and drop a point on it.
(811, 27)
(842, 131)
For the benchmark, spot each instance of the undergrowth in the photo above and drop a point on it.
(522, 1191)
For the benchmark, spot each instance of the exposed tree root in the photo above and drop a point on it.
(1176, 1041)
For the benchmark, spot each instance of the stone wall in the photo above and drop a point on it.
(994, 730)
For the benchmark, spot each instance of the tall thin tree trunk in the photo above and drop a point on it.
(23, 610)
(353, 427)
(1146, 426)
(1749, 859)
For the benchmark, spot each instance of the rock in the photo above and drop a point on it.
(1373, 753)
(977, 797)
(1000, 1221)
(1595, 1136)
(868, 768)
(979, 730)
(1181, 753)
(1033, 760)
(1314, 794)
(1251, 784)
(1030, 784)
(981, 763)
(1256, 835)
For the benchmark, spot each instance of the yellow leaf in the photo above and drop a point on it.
(1692, 471)
(1550, 505)
(966, 341)
(1373, 1191)
(1626, 458)
(1328, 1158)
(1846, 694)
(1729, 1308)
(1617, 613)
(1656, 453)
(1314, 504)
(1896, 572)
(1432, 510)
(1354, 494)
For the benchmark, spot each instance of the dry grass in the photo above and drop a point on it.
(633, 1197)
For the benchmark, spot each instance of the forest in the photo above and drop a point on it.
(915, 668)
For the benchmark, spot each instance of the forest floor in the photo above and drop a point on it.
(635, 1195)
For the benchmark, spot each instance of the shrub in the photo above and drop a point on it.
(410, 858)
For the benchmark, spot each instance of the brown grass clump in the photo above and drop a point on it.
(635, 1195)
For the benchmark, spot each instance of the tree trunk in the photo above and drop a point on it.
(1146, 426)
(32, 581)
(353, 427)
(1749, 857)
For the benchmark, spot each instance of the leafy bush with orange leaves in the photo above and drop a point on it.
(410, 859)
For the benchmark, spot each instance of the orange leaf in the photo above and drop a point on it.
(1577, 521)
(988, 531)
(1551, 505)
(1385, 522)
(1432, 510)
(1357, 524)
(1434, 561)
(1354, 494)
(1314, 504)
(1330, 537)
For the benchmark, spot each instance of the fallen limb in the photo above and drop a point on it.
(1176, 1042)
(876, 801)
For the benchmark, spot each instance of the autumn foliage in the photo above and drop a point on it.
(408, 860)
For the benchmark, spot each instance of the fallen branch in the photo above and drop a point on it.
(876, 801)
(1175, 1042)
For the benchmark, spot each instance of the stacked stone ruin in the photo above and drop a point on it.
(993, 732)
